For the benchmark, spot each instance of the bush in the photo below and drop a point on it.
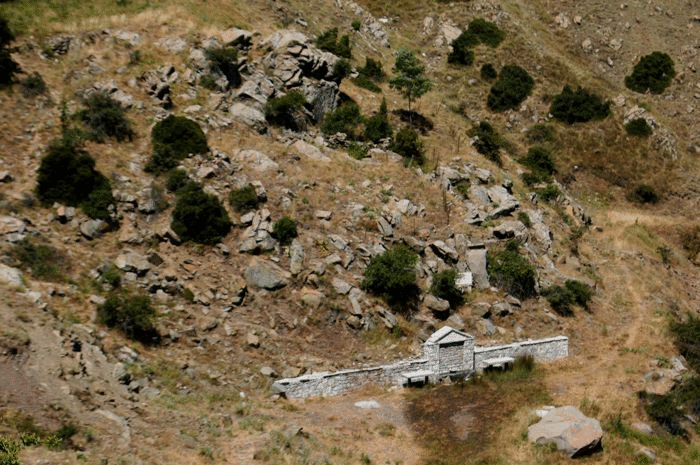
(524, 218)
(539, 160)
(330, 42)
(105, 118)
(208, 82)
(578, 106)
(511, 271)
(199, 216)
(244, 199)
(513, 86)
(488, 72)
(644, 193)
(444, 287)
(372, 70)
(366, 83)
(561, 298)
(8, 67)
(487, 141)
(479, 31)
(225, 61)
(287, 111)
(461, 53)
(284, 230)
(41, 260)
(176, 180)
(378, 127)
(541, 134)
(581, 292)
(549, 193)
(33, 85)
(345, 119)
(486, 32)
(408, 145)
(687, 340)
(638, 127)
(132, 314)
(67, 175)
(174, 138)
(358, 151)
(392, 276)
(653, 72)
(356, 24)
(342, 69)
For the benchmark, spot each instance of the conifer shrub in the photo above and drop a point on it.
(644, 193)
(511, 88)
(132, 314)
(243, 199)
(284, 230)
(578, 106)
(198, 216)
(346, 119)
(392, 276)
(444, 287)
(407, 144)
(287, 111)
(176, 180)
(478, 32)
(638, 127)
(225, 61)
(104, 117)
(461, 53)
(653, 73)
(511, 271)
(488, 72)
(174, 138)
(487, 141)
(330, 42)
(561, 298)
(378, 127)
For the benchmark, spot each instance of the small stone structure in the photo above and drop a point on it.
(447, 353)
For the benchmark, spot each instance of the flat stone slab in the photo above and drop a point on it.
(367, 404)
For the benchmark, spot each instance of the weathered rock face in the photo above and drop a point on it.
(291, 58)
(573, 433)
(265, 275)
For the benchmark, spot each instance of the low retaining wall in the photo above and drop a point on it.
(543, 350)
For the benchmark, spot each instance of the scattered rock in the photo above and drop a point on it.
(573, 433)
(92, 229)
(265, 275)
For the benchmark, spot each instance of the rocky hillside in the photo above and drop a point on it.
(614, 214)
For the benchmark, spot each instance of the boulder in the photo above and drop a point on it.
(10, 276)
(133, 262)
(573, 433)
(265, 275)
(476, 260)
(92, 229)
(309, 151)
(249, 116)
(237, 38)
(439, 307)
(296, 257)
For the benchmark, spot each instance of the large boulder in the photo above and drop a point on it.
(292, 57)
(265, 275)
(573, 433)
(11, 276)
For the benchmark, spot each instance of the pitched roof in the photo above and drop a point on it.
(446, 331)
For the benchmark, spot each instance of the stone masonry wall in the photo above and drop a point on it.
(543, 350)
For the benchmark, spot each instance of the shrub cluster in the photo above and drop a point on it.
(198, 216)
(541, 134)
(346, 119)
(176, 180)
(444, 287)
(225, 61)
(478, 32)
(174, 138)
(578, 106)
(132, 314)
(330, 42)
(487, 141)
(8, 67)
(511, 271)
(638, 127)
(369, 75)
(284, 230)
(67, 175)
(690, 241)
(653, 72)
(392, 276)
(287, 111)
(407, 144)
(513, 86)
(378, 127)
(244, 199)
(573, 292)
(104, 117)
(542, 166)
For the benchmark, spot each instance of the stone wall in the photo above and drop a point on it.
(543, 350)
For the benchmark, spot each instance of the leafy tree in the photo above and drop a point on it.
(174, 138)
(511, 271)
(444, 287)
(653, 72)
(392, 276)
(198, 216)
(287, 111)
(345, 119)
(408, 145)
(132, 314)
(284, 230)
(513, 86)
(578, 106)
(105, 117)
(410, 80)
(378, 127)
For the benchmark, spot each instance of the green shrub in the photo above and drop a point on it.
(539, 160)
(33, 85)
(355, 24)
(112, 276)
(198, 216)
(372, 70)
(488, 72)
(342, 69)
(444, 287)
(653, 72)
(487, 141)
(9, 448)
(581, 292)
(132, 314)
(408, 145)
(561, 298)
(513, 86)
(687, 339)
(287, 111)
(462, 187)
(461, 53)
(346, 119)
(225, 61)
(524, 218)
(549, 193)
(174, 138)
(208, 82)
(243, 199)
(284, 230)
(486, 32)
(41, 260)
(366, 83)
(358, 151)
(330, 42)
(638, 127)
(105, 117)
(578, 106)
(644, 193)
(67, 175)
(392, 276)
(511, 271)
(176, 180)
(378, 127)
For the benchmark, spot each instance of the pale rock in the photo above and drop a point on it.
(265, 275)
(310, 151)
(10, 276)
(570, 430)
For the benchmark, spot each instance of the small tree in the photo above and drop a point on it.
(199, 216)
(513, 86)
(511, 271)
(410, 80)
(132, 314)
(653, 72)
(392, 275)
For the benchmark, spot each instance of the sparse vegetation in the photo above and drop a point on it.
(287, 111)
(578, 106)
(41, 260)
(33, 85)
(198, 216)
(690, 240)
(132, 314)
(392, 276)
(284, 230)
(330, 42)
(225, 61)
(369, 75)
(358, 151)
(174, 138)
(511, 271)
(513, 86)
(104, 117)
(549, 193)
(444, 287)
(653, 73)
(487, 141)
(541, 134)
(638, 127)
